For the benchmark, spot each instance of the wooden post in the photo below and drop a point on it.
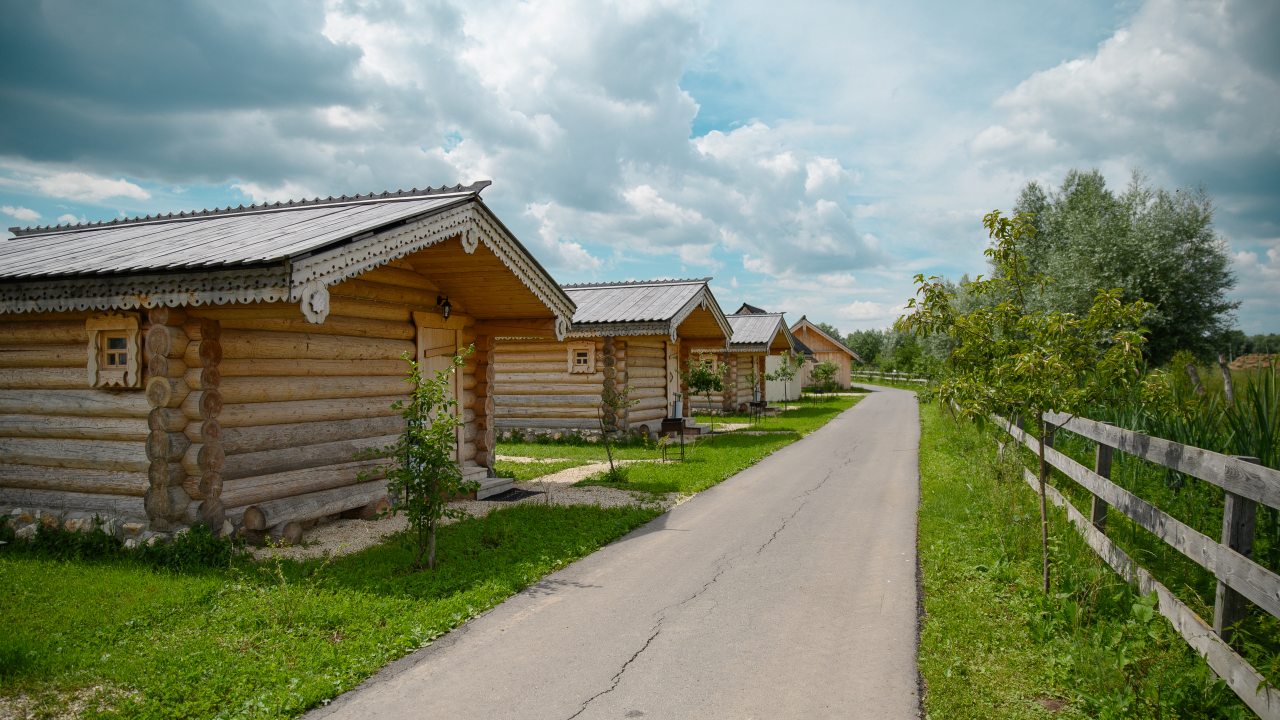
(730, 394)
(1238, 518)
(1101, 466)
(681, 365)
(609, 389)
(485, 440)
(621, 379)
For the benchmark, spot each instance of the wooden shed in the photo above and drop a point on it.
(757, 336)
(627, 334)
(225, 366)
(825, 348)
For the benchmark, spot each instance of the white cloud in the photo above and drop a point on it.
(20, 213)
(1178, 86)
(260, 193)
(69, 219)
(84, 187)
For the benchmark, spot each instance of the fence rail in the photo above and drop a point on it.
(1246, 484)
(893, 376)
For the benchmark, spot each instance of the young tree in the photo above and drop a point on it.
(824, 376)
(786, 372)
(613, 405)
(703, 377)
(424, 472)
(1012, 359)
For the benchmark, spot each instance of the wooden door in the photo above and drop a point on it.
(436, 348)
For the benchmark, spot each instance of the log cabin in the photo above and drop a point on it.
(632, 335)
(226, 366)
(825, 348)
(758, 340)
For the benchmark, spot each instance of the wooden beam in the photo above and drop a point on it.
(540, 328)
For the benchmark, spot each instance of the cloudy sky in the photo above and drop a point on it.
(811, 156)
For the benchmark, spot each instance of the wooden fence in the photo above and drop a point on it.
(891, 376)
(1240, 579)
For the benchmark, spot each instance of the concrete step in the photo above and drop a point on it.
(492, 486)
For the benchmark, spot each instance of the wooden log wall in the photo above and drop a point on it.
(296, 402)
(65, 446)
(646, 359)
(166, 342)
(535, 390)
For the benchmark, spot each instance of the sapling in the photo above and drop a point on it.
(423, 472)
(613, 405)
(1011, 359)
(703, 377)
(786, 372)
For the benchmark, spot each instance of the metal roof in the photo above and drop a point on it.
(211, 239)
(647, 301)
(756, 328)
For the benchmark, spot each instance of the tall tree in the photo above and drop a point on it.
(867, 343)
(829, 329)
(1150, 243)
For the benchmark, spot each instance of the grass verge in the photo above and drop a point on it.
(993, 645)
(526, 471)
(262, 640)
(713, 459)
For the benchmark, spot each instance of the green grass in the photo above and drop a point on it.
(272, 639)
(526, 471)
(579, 450)
(713, 459)
(993, 645)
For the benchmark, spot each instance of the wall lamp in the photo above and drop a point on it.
(442, 302)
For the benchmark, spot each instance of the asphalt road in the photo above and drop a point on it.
(787, 591)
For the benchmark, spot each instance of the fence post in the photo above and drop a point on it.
(1101, 466)
(1238, 516)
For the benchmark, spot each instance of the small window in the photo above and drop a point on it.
(113, 351)
(582, 358)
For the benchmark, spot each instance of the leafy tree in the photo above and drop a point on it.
(829, 329)
(901, 352)
(824, 376)
(424, 472)
(1012, 358)
(703, 377)
(1150, 243)
(786, 372)
(867, 343)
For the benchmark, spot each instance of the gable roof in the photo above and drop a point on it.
(803, 322)
(750, 310)
(648, 307)
(755, 332)
(271, 252)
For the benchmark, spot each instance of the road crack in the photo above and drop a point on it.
(617, 678)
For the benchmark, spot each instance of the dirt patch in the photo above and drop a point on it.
(65, 705)
(343, 537)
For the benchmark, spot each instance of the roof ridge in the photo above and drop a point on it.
(459, 189)
(635, 283)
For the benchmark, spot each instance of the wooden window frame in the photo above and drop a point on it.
(101, 329)
(590, 366)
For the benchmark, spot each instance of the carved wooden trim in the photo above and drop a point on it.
(99, 328)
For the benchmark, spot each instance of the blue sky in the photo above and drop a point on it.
(809, 156)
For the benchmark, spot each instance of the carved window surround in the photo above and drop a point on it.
(582, 358)
(114, 348)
